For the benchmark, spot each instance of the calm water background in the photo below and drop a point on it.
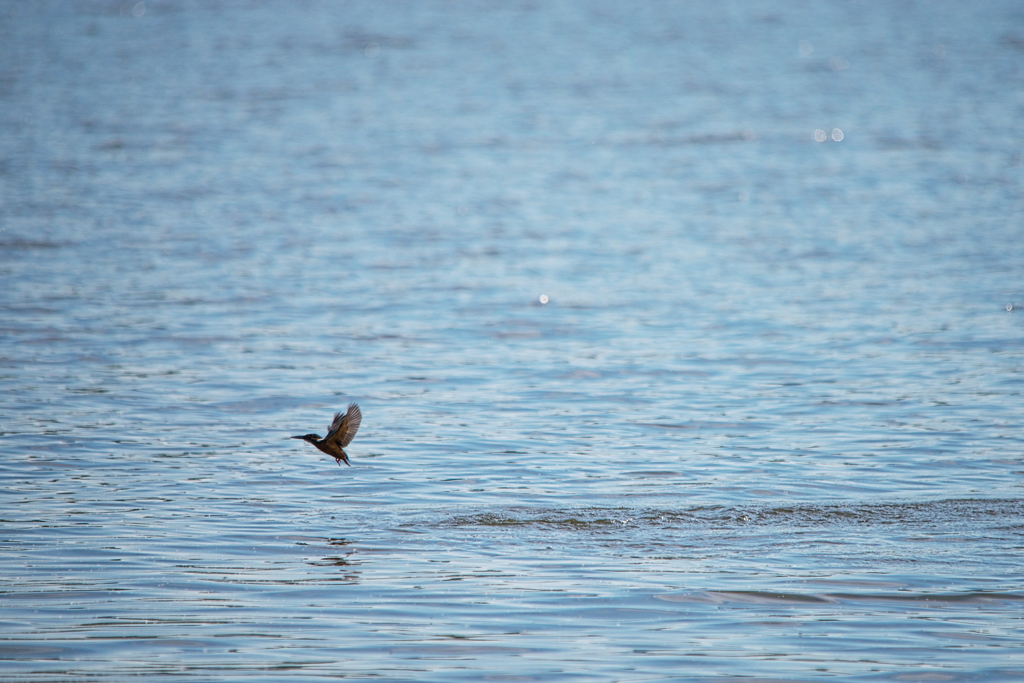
(767, 425)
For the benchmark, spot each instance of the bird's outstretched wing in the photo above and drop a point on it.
(345, 425)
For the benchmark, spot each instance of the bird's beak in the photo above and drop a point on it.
(294, 437)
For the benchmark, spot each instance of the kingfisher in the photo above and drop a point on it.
(340, 434)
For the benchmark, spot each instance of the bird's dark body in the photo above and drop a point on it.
(331, 449)
(341, 432)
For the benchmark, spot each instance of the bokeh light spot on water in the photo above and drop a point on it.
(837, 135)
(1009, 307)
(806, 48)
(371, 49)
(838, 63)
(820, 135)
(544, 299)
(138, 9)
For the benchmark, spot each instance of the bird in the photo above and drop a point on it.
(340, 434)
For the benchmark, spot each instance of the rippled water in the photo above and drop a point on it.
(766, 425)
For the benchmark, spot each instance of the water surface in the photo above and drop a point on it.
(766, 425)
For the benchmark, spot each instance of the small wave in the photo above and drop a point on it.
(785, 598)
(959, 511)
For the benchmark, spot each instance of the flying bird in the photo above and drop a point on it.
(340, 434)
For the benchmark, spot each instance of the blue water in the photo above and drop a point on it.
(767, 424)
